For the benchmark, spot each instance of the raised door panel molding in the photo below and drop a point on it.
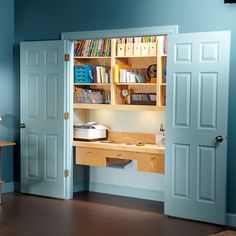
(51, 57)
(207, 103)
(32, 58)
(32, 91)
(180, 170)
(181, 99)
(183, 53)
(51, 161)
(51, 103)
(32, 156)
(206, 174)
(209, 52)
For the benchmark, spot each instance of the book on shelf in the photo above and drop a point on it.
(92, 74)
(93, 48)
(116, 72)
(126, 74)
(143, 98)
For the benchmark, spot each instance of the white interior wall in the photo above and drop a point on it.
(127, 121)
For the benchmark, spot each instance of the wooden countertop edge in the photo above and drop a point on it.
(147, 148)
(5, 143)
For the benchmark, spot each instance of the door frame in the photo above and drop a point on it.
(120, 33)
(80, 35)
(68, 101)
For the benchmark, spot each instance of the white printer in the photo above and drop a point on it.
(91, 131)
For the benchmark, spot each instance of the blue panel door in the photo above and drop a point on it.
(44, 143)
(197, 113)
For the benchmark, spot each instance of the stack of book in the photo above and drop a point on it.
(93, 48)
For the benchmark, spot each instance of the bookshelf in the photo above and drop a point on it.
(118, 69)
(127, 56)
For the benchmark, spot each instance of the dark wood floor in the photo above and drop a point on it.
(92, 214)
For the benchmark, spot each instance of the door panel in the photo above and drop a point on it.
(43, 103)
(197, 111)
(206, 161)
(51, 161)
(32, 91)
(32, 153)
(51, 96)
(180, 170)
(207, 100)
(182, 99)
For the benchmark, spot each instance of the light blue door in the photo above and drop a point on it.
(197, 113)
(45, 142)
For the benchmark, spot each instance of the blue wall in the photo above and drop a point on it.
(43, 19)
(8, 91)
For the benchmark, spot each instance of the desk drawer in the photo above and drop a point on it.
(104, 157)
(90, 156)
(151, 162)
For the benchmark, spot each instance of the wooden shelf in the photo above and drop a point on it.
(92, 84)
(147, 148)
(118, 107)
(115, 89)
(92, 58)
(136, 84)
(118, 57)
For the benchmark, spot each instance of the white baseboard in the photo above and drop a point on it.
(8, 187)
(120, 190)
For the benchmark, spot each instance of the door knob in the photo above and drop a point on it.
(22, 125)
(219, 139)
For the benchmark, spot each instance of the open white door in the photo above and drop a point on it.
(45, 130)
(197, 116)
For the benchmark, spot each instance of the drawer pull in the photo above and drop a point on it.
(153, 158)
(119, 154)
(89, 151)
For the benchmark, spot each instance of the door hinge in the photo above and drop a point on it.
(67, 57)
(66, 173)
(66, 115)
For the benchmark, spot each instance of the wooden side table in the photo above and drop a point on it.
(3, 144)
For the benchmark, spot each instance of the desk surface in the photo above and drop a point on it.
(5, 143)
(147, 148)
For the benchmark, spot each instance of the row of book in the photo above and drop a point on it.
(93, 48)
(102, 74)
(143, 98)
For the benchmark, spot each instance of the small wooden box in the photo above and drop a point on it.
(137, 49)
(129, 49)
(152, 49)
(145, 49)
(120, 49)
